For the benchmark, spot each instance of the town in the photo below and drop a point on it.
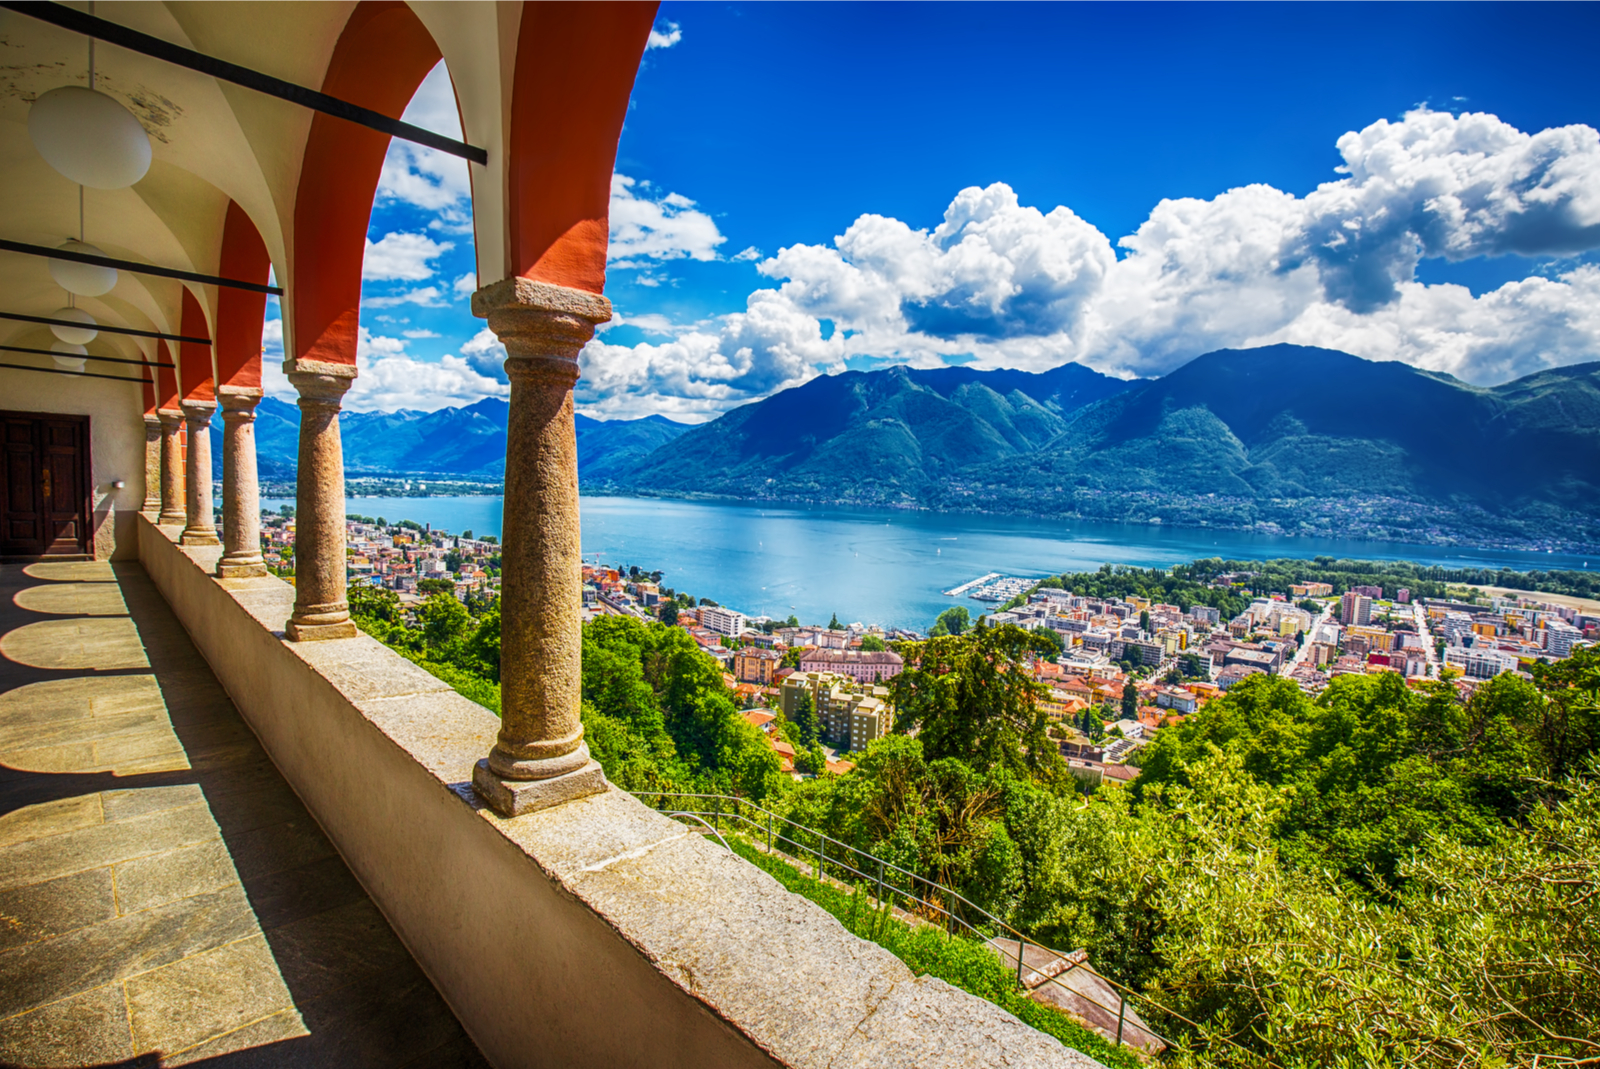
(1126, 667)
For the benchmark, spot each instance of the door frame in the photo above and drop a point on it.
(85, 485)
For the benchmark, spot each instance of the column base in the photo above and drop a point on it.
(202, 537)
(319, 632)
(512, 797)
(167, 519)
(225, 570)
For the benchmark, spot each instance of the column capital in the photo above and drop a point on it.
(198, 408)
(152, 423)
(170, 417)
(237, 397)
(318, 383)
(542, 326)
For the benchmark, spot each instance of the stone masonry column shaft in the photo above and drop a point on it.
(241, 493)
(201, 529)
(172, 511)
(152, 463)
(540, 758)
(320, 608)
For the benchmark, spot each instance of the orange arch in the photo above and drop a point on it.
(166, 388)
(195, 368)
(575, 69)
(240, 314)
(382, 56)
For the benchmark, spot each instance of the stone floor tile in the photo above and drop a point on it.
(147, 882)
(45, 910)
(49, 818)
(87, 1029)
(459, 1053)
(68, 757)
(98, 845)
(175, 1007)
(94, 643)
(44, 972)
(379, 1026)
(136, 747)
(142, 801)
(73, 599)
(270, 1043)
(65, 730)
(289, 895)
(351, 945)
(96, 571)
(278, 847)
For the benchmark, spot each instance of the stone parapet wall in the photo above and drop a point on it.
(597, 933)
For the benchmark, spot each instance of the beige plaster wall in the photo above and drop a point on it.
(116, 443)
(598, 933)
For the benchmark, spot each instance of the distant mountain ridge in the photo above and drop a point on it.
(469, 442)
(1282, 438)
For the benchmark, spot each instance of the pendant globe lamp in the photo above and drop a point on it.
(83, 280)
(89, 137)
(74, 335)
(68, 356)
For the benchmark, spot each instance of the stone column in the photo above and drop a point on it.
(540, 758)
(241, 494)
(199, 503)
(171, 468)
(320, 608)
(152, 463)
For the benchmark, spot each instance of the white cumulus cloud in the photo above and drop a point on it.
(649, 228)
(401, 257)
(664, 36)
(1003, 284)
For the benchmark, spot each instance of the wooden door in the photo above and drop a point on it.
(46, 493)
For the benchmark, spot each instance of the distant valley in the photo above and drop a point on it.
(1280, 438)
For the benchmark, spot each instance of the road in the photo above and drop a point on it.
(1305, 647)
(1427, 640)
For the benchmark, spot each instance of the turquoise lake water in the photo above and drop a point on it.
(886, 567)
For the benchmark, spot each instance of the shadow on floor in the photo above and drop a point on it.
(177, 904)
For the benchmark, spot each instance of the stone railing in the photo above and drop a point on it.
(595, 933)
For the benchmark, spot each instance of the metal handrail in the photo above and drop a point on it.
(820, 852)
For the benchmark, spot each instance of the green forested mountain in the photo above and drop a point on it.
(885, 436)
(1301, 439)
(467, 441)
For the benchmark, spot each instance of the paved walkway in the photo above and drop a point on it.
(164, 897)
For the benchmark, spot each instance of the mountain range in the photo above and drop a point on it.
(1280, 438)
(467, 442)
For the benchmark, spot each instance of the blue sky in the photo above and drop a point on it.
(804, 189)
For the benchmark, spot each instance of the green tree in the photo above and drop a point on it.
(804, 717)
(467, 533)
(971, 697)
(435, 586)
(792, 621)
(1144, 620)
(833, 624)
(1130, 701)
(443, 620)
(1049, 642)
(872, 644)
(668, 612)
(953, 621)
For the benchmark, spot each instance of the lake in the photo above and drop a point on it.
(885, 566)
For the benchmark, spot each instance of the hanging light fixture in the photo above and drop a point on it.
(68, 356)
(74, 335)
(88, 136)
(84, 280)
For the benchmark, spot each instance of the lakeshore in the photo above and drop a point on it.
(888, 567)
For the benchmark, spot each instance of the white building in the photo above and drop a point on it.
(1479, 662)
(1559, 637)
(722, 621)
